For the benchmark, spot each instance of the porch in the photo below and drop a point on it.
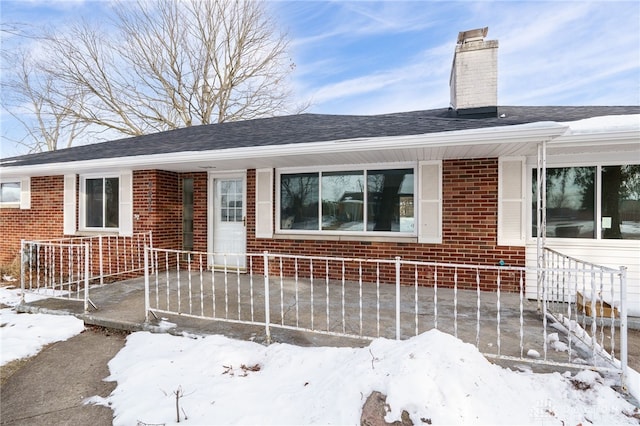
(317, 305)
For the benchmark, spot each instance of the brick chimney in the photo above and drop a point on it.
(474, 75)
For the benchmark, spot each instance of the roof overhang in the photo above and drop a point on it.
(516, 140)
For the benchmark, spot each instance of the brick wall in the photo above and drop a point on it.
(470, 216)
(42, 220)
(157, 206)
(470, 198)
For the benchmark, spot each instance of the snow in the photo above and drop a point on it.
(435, 377)
(605, 124)
(24, 335)
(432, 376)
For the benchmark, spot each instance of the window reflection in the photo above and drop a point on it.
(343, 200)
(390, 200)
(299, 201)
(621, 202)
(570, 202)
(10, 192)
(336, 200)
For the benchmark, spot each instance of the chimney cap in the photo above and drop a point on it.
(472, 35)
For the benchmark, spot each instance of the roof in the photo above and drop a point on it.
(308, 128)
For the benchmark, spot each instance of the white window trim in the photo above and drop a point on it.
(24, 203)
(82, 203)
(346, 168)
(551, 163)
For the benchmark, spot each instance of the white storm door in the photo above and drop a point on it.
(229, 220)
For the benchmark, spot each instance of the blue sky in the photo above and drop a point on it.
(385, 56)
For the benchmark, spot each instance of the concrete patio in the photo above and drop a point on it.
(121, 305)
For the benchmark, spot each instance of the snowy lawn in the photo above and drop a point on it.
(435, 377)
(24, 335)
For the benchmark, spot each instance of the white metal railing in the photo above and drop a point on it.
(112, 255)
(55, 270)
(369, 298)
(589, 301)
(51, 266)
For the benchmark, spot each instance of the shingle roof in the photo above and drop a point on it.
(306, 128)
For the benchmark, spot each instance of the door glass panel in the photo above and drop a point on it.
(231, 200)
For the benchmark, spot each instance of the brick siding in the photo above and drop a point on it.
(470, 200)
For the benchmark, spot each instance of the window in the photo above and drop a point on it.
(101, 202)
(362, 201)
(10, 193)
(231, 196)
(15, 193)
(187, 214)
(591, 202)
(621, 202)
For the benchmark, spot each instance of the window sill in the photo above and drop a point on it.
(329, 237)
(94, 233)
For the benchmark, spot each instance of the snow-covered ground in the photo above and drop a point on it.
(24, 335)
(435, 377)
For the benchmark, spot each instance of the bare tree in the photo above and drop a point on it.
(171, 64)
(31, 99)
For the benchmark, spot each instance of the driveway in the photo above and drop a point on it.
(50, 388)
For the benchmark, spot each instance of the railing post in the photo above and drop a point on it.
(100, 259)
(22, 270)
(623, 327)
(397, 297)
(267, 315)
(146, 284)
(86, 277)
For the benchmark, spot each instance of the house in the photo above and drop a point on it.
(451, 185)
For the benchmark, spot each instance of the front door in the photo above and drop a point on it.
(229, 221)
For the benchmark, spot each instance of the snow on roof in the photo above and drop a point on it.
(605, 124)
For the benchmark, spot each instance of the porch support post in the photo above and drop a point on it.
(23, 260)
(267, 315)
(100, 259)
(147, 304)
(397, 297)
(541, 218)
(623, 327)
(86, 277)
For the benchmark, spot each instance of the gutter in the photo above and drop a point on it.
(516, 134)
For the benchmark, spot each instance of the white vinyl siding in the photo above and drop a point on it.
(264, 203)
(610, 253)
(430, 202)
(511, 201)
